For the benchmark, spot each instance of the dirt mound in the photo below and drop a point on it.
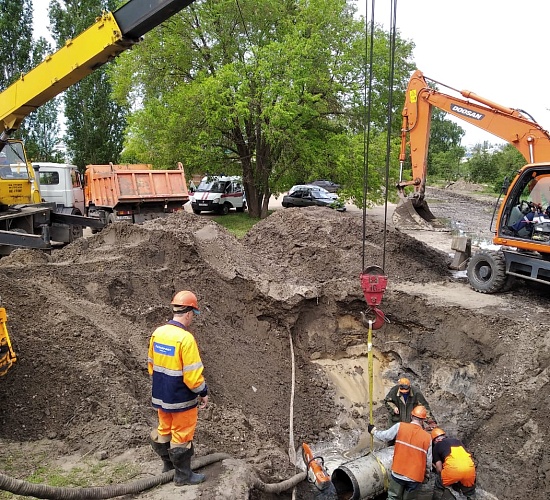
(81, 320)
(319, 246)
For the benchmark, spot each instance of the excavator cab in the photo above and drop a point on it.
(526, 206)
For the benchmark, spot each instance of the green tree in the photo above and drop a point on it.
(445, 151)
(272, 90)
(39, 129)
(16, 39)
(95, 122)
(507, 161)
(481, 166)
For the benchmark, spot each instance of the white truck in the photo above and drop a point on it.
(219, 193)
(62, 184)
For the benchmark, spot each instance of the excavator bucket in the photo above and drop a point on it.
(7, 354)
(413, 214)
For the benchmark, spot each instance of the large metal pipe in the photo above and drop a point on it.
(363, 477)
(366, 477)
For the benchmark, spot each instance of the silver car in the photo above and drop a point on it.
(307, 195)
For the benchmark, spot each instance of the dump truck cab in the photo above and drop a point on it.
(62, 184)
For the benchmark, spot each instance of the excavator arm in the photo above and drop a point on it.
(111, 34)
(511, 125)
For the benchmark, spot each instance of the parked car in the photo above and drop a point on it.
(307, 195)
(330, 186)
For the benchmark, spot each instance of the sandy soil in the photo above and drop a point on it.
(80, 319)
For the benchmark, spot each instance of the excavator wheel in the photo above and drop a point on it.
(487, 272)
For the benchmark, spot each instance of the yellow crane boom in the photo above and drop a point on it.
(111, 34)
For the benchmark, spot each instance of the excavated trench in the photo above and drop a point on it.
(444, 371)
(81, 319)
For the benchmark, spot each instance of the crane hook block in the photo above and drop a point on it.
(373, 283)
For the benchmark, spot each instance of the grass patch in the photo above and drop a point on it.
(238, 224)
(84, 475)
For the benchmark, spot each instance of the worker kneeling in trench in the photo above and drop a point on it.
(454, 465)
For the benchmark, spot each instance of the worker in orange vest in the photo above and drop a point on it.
(412, 456)
(454, 465)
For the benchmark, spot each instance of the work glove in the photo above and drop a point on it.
(370, 428)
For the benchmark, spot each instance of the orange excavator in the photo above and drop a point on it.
(522, 225)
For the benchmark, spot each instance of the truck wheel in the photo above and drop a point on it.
(224, 209)
(76, 231)
(487, 272)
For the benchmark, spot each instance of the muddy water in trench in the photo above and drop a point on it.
(349, 374)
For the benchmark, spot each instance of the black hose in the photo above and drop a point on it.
(25, 488)
(282, 486)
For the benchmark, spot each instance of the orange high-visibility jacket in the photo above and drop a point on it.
(411, 451)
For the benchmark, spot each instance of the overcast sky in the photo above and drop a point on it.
(495, 48)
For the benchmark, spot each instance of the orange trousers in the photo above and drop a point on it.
(177, 427)
(465, 476)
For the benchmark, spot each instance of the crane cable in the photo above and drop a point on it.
(367, 109)
(369, 53)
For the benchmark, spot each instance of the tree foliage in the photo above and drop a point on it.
(16, 39)
(493, 166)
(273, 90)
(95, 122)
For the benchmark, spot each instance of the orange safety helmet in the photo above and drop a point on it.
(184, 299)
(404, 385)
(419, 412)
(437, 432)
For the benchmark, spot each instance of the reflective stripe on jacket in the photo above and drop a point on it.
(175, 364)
(410, 455)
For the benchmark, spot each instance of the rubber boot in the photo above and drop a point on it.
(161, 449)
(440, 494)
(181, 458)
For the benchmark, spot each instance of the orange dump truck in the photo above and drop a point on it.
(133, 193)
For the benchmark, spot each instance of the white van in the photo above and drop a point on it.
(219, 193)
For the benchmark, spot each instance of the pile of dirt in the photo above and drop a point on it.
(81, 320)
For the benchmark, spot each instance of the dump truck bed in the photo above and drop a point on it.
(109, 187)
